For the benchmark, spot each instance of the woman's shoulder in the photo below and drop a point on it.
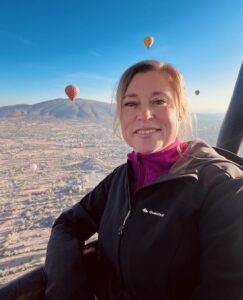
(119, 169)
(202, 158)
(117, 172)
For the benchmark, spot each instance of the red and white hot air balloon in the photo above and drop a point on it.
(72, 91)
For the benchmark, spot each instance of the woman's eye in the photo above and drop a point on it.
(129, 104)
(160, 101)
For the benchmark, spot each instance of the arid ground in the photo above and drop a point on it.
(45, 167)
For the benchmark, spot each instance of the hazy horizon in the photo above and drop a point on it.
(205, 111)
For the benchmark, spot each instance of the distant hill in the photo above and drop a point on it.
(87, 110)
(90, 164)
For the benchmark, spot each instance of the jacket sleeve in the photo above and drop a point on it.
(66, 278)
(221, 235)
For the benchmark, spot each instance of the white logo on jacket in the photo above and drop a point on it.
(146, 211)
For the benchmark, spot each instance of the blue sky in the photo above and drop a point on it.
(48, 44)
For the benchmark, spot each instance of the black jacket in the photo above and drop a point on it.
(179, 237)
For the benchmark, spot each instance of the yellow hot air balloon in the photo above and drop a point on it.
(72, 91)
(148, 41)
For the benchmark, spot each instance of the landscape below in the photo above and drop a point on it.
(50, 156)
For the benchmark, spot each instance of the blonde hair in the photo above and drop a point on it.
(175, 81)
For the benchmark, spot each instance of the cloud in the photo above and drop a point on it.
(15, 37)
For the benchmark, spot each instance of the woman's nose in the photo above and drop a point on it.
(145, 113)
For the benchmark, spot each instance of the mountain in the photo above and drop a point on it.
(87, 110)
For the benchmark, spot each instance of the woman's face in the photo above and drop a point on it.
(149, 117)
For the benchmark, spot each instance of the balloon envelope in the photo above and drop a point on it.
(197, 92)
(72, 92)
(33, 167)
(148, 41)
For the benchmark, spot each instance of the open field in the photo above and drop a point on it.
(31, 199)
(69, 158)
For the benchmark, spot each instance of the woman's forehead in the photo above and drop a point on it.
(152, 83)
(150, 79)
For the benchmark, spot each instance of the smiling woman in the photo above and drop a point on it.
(149, 117)
(166, 88)
(194, 195)
(169, 220)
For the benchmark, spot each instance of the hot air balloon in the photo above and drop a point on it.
(148, 41)
(197, 92)
(33, 167)
(72, 91)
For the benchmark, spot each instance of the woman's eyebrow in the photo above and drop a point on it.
(167, 95)
(129, 95)
(155, 93)
(135, 95)
(159, 93)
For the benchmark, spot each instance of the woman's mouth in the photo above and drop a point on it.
(147, 131)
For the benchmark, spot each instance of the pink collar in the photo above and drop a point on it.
(148, 167)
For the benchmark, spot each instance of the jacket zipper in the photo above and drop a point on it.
(120, 233)
(121, 228)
